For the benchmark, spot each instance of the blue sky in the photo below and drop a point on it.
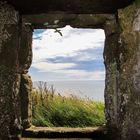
(77, 55)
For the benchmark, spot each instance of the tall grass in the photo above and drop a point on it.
(53, 110)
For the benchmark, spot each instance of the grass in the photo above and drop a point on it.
(53, 110)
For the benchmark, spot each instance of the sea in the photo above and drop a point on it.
(89, 89)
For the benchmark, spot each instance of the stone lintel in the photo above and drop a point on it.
(50, 21)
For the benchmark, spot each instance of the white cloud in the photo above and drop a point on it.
(50, 67)
(52, 44)
(82, 74)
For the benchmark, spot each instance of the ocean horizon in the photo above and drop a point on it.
(89, 89)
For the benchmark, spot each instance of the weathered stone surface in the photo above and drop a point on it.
(61, 20)
(26, 103)
(122, 61)
(111, 82)
(9, 77)
(9, 104)
(25, 51)
(68, 6)
(129, 76)
(9, 33)
(121, 56)
(89, 133)
(25, 60)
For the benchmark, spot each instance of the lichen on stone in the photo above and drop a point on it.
(129, 83)
(8, 16)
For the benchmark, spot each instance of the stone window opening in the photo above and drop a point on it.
(121, 58)
(88, 56)
(107, 22)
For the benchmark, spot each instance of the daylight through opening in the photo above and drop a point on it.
(68, 76)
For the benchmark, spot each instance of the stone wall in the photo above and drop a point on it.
(25, 60)
(110, 54)
(9, 74)
(15, 84)
(129, 73)
(122, 62)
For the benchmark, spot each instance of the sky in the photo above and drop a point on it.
(76, 55)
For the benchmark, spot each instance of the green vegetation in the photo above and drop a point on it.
(52, 110)
(137, 1)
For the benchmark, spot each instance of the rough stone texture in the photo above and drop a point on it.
(111, 81)
(25, 60)
(129, 73)
(26, 103)
(15, 84)
(68, 6)
(121, 56)
(45, 21)
(9, 76)
(25, 52)
(65, 133)
(122, 61)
